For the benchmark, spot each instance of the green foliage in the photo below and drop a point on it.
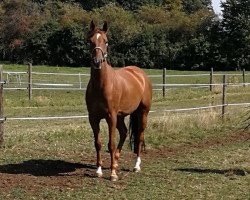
(236, 33)
(18, 20)
(68, 47)
(36, 48)
(149, 33)
(191, 6)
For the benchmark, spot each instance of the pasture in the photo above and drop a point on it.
(189, 155)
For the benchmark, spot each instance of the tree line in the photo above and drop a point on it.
(177, 34)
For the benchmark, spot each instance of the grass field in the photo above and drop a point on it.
(189, 155)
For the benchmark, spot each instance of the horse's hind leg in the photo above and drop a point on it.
(142, 123)
(95, 125)
(123, 131)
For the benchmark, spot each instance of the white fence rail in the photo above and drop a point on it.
(78, 86)
(152, 111)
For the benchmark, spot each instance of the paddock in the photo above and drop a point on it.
(190, 151)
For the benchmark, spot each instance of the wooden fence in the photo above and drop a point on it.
(1, 105)
(164, 86)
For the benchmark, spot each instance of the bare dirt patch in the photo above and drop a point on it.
(33, 175)
(204, 144)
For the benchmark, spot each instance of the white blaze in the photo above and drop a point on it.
(98, 35)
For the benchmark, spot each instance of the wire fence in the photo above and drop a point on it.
(78, 81)
(152, 111)
(30, 85)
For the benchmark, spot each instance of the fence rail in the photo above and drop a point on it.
(33, 85)
(69, 86)
(152, 111)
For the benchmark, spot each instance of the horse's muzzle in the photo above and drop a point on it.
(98, 62)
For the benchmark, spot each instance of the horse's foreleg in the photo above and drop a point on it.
(142, 125)
(112, 120)
(123, 131)
(95, 124)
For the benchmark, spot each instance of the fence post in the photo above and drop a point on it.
(1, 106)
(243, 78)
(211, 79)
(224, 96)
(164, 82)
(30, 81)
(80, 81)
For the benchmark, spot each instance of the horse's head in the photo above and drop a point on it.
(99, 44)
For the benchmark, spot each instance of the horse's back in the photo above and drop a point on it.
(134, 73)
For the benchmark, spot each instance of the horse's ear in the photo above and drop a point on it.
(92, 26)
(105, 26)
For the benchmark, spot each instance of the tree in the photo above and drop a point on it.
(130, 5)
(36, 48)
(136, 4)
(148, 33)
(90, 5)
(18, 20)
(236, 33)
(68, 47)
(213, 34)
(191, 6)
(123, 27)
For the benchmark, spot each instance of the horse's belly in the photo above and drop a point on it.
(129, 103)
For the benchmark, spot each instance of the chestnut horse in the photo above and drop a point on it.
(112, 95)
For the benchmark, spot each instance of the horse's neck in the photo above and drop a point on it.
(101, 77)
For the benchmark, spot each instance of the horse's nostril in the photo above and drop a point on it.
(96, 61)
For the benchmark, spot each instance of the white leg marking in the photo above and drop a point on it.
(99, 171)
(137, 167)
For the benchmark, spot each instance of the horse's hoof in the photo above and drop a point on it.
(136, 170)
(114, 178)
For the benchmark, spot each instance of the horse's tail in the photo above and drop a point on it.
(134, 132)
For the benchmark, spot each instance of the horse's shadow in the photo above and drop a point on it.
(226, 172)
(44, 167)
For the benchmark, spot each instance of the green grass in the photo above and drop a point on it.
(189, 155)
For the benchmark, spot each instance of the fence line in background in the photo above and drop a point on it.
(45, 73)
(2, 119)
(46, 118)
(152, 111)
(30, 81)
(1, 105)
(177, 75)
(191, 84)
(211, 74)
(164, 84)
(53, 84)
(224, 96)
(61, 74)
(150, 75)
(170, 86)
